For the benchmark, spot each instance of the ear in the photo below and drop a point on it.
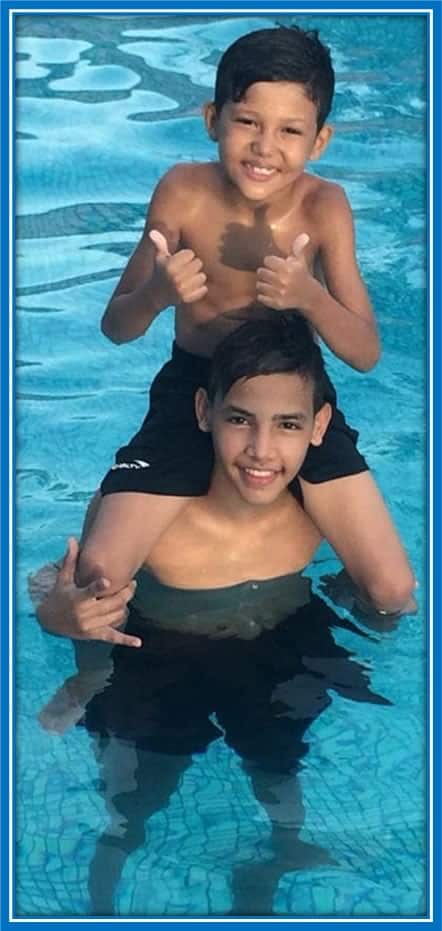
(210, 119)
(203, 410)
(321, 142)
(321, 422)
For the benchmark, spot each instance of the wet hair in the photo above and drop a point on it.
(279, 343)
(284, 53)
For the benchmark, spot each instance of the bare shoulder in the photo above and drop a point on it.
(323, 196)
(173, 202)
(187, 178)
(327, 206)
(182, 191)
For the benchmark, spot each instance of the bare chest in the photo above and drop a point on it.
(202, 553)
(231, 251)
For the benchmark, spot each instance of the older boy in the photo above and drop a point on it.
(221, 240)
(227, 622)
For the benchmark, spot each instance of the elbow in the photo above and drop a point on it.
(110, 331)
(95, 565)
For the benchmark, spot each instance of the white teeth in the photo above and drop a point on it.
(261, 171)
(260, 473)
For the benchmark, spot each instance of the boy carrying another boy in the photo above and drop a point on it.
(221, 240)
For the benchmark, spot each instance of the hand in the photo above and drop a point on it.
(85, 613)
(181, 274)
(282, 283)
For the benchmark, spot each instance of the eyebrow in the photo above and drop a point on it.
(252, 112)
(293, 415)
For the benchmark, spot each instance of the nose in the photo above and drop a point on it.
(260, 444)
(263, 143)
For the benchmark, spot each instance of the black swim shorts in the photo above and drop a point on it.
(178, 692)
(164, 695)
(171, 456)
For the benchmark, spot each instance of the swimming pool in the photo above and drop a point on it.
(105, 104)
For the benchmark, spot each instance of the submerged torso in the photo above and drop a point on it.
(243, 610)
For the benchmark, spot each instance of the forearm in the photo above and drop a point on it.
(129, 315)
(351, 337)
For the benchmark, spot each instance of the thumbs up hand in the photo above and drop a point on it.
(281, 283)
(181, 275)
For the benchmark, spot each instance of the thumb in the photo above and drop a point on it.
(160, 243)
(299, 244)
(98, 587)
(67, 570)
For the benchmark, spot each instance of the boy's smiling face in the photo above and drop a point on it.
(261, 431)
(266, 139)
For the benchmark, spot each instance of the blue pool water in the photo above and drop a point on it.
(105, 104)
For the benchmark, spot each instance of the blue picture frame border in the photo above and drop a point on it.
(8, 11)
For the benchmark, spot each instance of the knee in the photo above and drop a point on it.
(393, 592)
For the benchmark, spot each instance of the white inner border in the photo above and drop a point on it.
(213, 12)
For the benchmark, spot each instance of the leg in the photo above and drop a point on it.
(254, 884)
(67, 706)
(352, 516)
(136, 784)
(268, 735)
(169, 459)
(126, 527)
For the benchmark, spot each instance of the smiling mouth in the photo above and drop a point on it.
(259, 478)
(259, 172)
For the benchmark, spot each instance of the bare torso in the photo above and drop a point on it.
(232, 240)
(208, 547)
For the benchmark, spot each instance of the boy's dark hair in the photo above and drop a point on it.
(284, 53)
(276, 344)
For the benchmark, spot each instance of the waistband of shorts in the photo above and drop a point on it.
(199, 366)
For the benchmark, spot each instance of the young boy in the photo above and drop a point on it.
(221, 240)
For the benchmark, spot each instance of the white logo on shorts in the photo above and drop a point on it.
(136, 464)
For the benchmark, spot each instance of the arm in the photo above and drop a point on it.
(83, 613)
(156, 276)
(341, 313)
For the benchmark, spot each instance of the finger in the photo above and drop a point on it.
(193, 283)
(97, 588)
(160, 243)
(109, 635)
(274, 262)
(299, 244)
(196, 265)
(267, 275)
(194, 296)
(113, 602)
(267, 290)
(121, 618)
(182, 259)
(67, 569)
(100, 612)
(268, 300)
